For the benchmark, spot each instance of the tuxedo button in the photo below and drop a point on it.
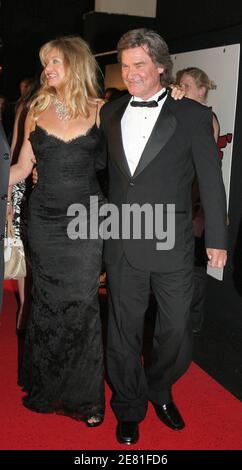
(131, 183)
(6, 156)
(4, 197)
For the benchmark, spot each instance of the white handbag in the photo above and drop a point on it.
(14, 257)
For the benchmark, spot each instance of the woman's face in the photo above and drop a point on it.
(188, 84)
(55, 70)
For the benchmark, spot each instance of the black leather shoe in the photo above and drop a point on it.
(170, 415)
(127, 432)
(196, 331)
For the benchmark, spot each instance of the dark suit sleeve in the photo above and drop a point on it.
(4, 177)
(207, 164)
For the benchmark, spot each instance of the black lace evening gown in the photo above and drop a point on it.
(63, 358)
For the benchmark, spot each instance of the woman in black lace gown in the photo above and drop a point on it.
(63, 359)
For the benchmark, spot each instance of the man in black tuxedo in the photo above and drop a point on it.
(153, 151)
(4, 177)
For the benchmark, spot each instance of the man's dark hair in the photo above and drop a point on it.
(156, 48)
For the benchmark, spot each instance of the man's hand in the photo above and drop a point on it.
(177, 93)
(35, 175)
(216, 258)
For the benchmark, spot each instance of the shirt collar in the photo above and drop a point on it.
(154, 97)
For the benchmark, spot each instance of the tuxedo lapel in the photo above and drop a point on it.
(163, 130)
(116, 141)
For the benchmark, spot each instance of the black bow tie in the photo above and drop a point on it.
(148, 104)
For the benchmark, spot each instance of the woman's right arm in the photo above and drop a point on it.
(26, 160)
(15, 147)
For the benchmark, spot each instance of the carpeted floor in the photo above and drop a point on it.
(212, 414)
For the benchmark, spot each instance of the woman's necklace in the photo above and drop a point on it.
(61, 110)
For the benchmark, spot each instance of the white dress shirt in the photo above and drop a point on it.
(137, 124)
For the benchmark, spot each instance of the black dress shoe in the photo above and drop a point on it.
(196, 331)
(127, 432)
(170, 415)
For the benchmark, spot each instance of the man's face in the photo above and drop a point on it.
(140, 75)
(24, 85)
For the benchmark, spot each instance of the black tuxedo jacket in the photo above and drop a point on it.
(181, 143)
(4, 176)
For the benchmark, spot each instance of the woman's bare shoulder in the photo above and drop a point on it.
(30, 122)
(101, 102)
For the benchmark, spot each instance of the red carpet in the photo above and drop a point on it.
(212, 415)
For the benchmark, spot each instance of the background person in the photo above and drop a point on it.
(4, 175)
(18, 199)
(196, 85)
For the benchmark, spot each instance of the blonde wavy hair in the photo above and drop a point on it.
(200, 77)
(81, 86)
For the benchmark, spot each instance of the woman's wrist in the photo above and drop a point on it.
(9, 198)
